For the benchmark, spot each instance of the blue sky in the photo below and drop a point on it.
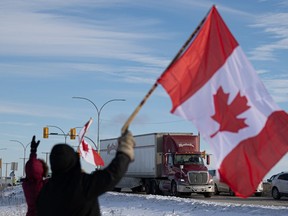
(53, 50)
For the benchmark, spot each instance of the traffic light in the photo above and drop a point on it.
(45, 132)
(73, 133)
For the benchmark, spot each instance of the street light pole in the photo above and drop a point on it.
(65, 135)
(98, 116)
(1, 161)
(24, 158)
(46, 153)
(6, 171)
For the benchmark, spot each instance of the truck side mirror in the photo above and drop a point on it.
(208, 159)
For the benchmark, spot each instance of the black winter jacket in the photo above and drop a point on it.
(76, 193)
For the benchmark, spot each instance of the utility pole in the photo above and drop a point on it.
(6, 164)
(46, 153)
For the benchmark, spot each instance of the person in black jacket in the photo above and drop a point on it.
(74, 193)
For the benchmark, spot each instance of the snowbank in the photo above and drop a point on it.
(12, 203)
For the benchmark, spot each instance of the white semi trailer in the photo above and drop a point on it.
(164, 163)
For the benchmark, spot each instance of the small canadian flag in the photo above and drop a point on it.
(89, 154)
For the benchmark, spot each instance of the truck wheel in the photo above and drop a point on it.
(208, 194)
(137, 189)
(216, 191)
(174, 191)
(117, 189)
(154, 187)
(147, 187)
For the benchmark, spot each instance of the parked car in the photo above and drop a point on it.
(280, 185)
(220, 187)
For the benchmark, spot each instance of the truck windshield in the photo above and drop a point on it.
(188, 159)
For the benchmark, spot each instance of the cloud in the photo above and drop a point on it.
(18, 123)
(278, 89)
(42, 35)
(274, 25)
(34, 110)
(48, 39)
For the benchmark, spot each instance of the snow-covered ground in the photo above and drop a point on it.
(12, 203)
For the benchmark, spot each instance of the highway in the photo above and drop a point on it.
(264, 200)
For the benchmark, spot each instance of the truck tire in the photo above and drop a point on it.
(207, 194)
(137, 189)
(174, 191)
(154, 187)
(216, 192)
(117, 189)
(151, 187)
(147, 188)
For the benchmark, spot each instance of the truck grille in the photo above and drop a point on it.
(198, 177)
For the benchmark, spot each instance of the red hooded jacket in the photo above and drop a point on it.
(33, 182)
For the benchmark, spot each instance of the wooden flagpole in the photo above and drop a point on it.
(133, 115)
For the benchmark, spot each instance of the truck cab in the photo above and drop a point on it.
(184, 166)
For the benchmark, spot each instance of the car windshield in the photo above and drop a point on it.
(188, 159)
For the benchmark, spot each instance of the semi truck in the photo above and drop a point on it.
(165, 163)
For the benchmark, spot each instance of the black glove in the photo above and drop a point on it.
(34, 145)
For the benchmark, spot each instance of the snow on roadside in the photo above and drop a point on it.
(151, 205)
(12, 203)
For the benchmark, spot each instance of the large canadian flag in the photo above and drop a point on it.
(213, 84)
(89, 154)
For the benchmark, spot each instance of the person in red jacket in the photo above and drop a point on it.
(36, 170)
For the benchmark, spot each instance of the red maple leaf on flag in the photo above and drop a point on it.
(85, 146)
(226, 114)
